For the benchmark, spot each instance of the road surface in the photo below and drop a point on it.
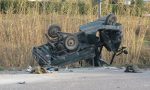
(77, 79)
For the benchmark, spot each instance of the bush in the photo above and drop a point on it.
(16, 6)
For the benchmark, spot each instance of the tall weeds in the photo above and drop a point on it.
(21, 31)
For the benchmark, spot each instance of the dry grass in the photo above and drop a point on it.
(20, 32)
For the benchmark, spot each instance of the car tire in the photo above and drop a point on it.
(111, 20)
(71, 42)
(53, 30)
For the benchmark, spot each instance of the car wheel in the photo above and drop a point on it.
(53, 30)
(111, 20)
(71, 42)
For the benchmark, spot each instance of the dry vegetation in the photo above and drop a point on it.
(20, 32)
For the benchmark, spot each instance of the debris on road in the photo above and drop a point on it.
(51, 69)
(41, 70)
(112, 68)
(132, 69)
(21, 82)
(29, 69)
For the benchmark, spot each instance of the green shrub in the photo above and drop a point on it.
(1, 68)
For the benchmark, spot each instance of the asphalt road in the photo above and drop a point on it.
(77, 79)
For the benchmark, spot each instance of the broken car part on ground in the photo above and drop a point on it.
(87, 44)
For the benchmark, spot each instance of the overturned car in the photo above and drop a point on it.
(87, 44)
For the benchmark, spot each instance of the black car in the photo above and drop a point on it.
(66, 48)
